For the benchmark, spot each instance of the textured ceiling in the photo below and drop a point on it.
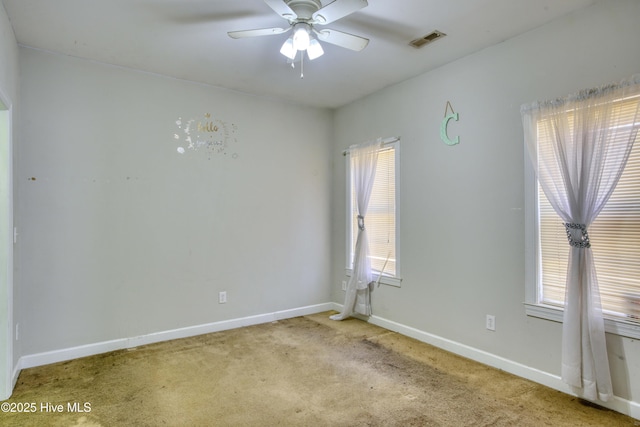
(187, 39)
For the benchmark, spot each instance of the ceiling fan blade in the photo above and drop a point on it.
(337, 9)
(282, 9)
(256, 33)
(341, 39)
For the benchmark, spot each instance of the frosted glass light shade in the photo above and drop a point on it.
(301, 38)
(315, 49)
(288, 50)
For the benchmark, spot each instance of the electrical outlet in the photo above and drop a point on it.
(491, 322)
(222, 297)
(344, 285)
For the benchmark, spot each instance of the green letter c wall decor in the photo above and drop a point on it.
(445, 123)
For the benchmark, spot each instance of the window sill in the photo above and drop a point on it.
(612, 326)
(385, 280)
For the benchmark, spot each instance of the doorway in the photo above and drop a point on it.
(6, 252)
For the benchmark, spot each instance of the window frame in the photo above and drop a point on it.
(533, 305)
(386, 279)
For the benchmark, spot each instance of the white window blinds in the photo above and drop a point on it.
(380, 221)
(614, 236)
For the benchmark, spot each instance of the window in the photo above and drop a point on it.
(615, 242)
(382, 217)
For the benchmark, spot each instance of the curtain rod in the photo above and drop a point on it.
(385, 141)
(583, 94)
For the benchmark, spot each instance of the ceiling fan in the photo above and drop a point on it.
(304, 16)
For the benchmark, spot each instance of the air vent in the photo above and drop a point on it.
(429, 38)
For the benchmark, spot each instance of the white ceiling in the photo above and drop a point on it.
(187, 39)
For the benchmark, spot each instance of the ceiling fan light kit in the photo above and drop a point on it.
(301, 36)
(303, 16)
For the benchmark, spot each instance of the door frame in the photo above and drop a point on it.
(7, 230)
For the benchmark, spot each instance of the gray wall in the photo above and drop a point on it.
(9, 55)
(9, 98)
(462, 209)
(122, 236)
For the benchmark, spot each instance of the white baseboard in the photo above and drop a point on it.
(16, 373)
(39, 359)
(617, 404)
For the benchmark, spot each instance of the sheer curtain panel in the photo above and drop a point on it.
(364, 159)
(578, 165)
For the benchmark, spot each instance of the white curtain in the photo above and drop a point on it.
(364, 159)
(578, 169)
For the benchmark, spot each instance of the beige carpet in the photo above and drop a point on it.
(307, 371)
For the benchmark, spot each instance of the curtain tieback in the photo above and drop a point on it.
(361, 222)
(577, 235)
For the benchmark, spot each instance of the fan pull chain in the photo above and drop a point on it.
(302, 64)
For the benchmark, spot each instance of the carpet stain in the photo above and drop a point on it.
(305, 371)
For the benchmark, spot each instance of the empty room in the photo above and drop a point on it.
(316, 212)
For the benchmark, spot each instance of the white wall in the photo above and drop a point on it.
(9, 56)
(122, 236)
(8, 100)
(462, 209)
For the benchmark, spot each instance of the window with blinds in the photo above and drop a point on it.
(380, 220)
(614, 236)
